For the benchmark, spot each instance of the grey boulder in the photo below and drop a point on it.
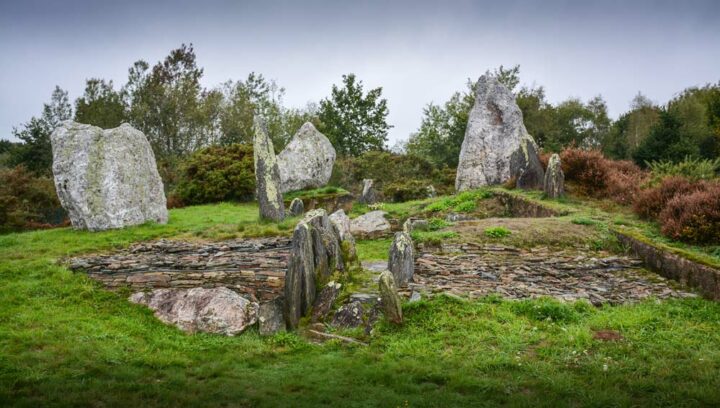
(296, 207)
(270, 317)
(497, 147)
(368, 195)
(307, 161)
(217, 310)
(370, 225)
(106, 178)
(267, 175)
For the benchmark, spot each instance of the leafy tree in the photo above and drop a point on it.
(100, 105)
(665, 142)
(510, 77)
(35, 153)
(628, 132)
(538, 114)
(354, 122)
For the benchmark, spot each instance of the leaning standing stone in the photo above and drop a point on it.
(300, 276)
(296, 207)
(390, 298)
(554, 185)
(400, 259)
(368, 196)
(106, 178)
(267, 175)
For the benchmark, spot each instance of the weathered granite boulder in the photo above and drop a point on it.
(370, 225)
(270, 317)
(296, 207)
(307, 161)
(390, 298)
(497, 147)
(314, 256)
(324, 302)
(368, 195)
(216, 310)
(554, 185)
(267, 175)
(401, 261)
(106, 178)
(349, 315)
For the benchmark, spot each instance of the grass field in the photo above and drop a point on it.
(65, 341)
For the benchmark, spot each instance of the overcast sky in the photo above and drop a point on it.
(419, 51)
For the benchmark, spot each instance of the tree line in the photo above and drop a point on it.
(167, 102)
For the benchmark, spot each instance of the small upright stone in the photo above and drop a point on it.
(267, 175)
(368, 196)
(324, 302)
(106, 178)
(270, 317)
(554, 185)
(401, 262)
(390, 298)
(296, 207)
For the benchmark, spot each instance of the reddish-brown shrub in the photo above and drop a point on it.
(623, 182)
(174, 201)
(587, 168)
(650, 202)
(544, 159)
(694, 217)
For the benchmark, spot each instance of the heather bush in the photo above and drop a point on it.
(693, 217)
(587, 168)
(650, 202)
(623, 182)
(217, 173)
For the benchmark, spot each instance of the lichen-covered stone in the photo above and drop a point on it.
(296, 207)
(307, 161)
(497, 147)
(106, 178)
(325, 300)
(415, 224)
(300, 276)
(370, 225)
(349, 315)
(270, 317)
(216, 310)
(267, 174)
(368, 195)
(342, 223)
(401, 262)
(390, 298)
(554, 185)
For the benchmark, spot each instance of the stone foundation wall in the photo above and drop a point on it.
(255, 267)
(518, 207)
(676, 267)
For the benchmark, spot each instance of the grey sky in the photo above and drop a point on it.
(418, 52)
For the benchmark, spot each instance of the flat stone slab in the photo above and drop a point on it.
(254, 268)
(478, 270)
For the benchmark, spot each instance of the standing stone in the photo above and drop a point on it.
(390, 298)
(342, 223)
(315, 254)
(106, 178)
(296, 207)
(215, 310)
(401, 262)
(267, 175)
(431, 192)
(554, 185)
(497, 147)
(270, 317)
(300, 276)
(325, 300)
(307, 161)
(369, 195)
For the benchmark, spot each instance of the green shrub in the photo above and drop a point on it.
(28, 201)
(693, 169)
(432, 237)
(583, 221)
(435, 224)
(218, 173)
(466, 206)
(401, 191)
(497, 232)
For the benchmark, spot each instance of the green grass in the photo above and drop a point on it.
(496, 232)
(315, 193)
(65, 341)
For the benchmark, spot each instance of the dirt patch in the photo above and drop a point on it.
(528, 232)
(607, 335)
